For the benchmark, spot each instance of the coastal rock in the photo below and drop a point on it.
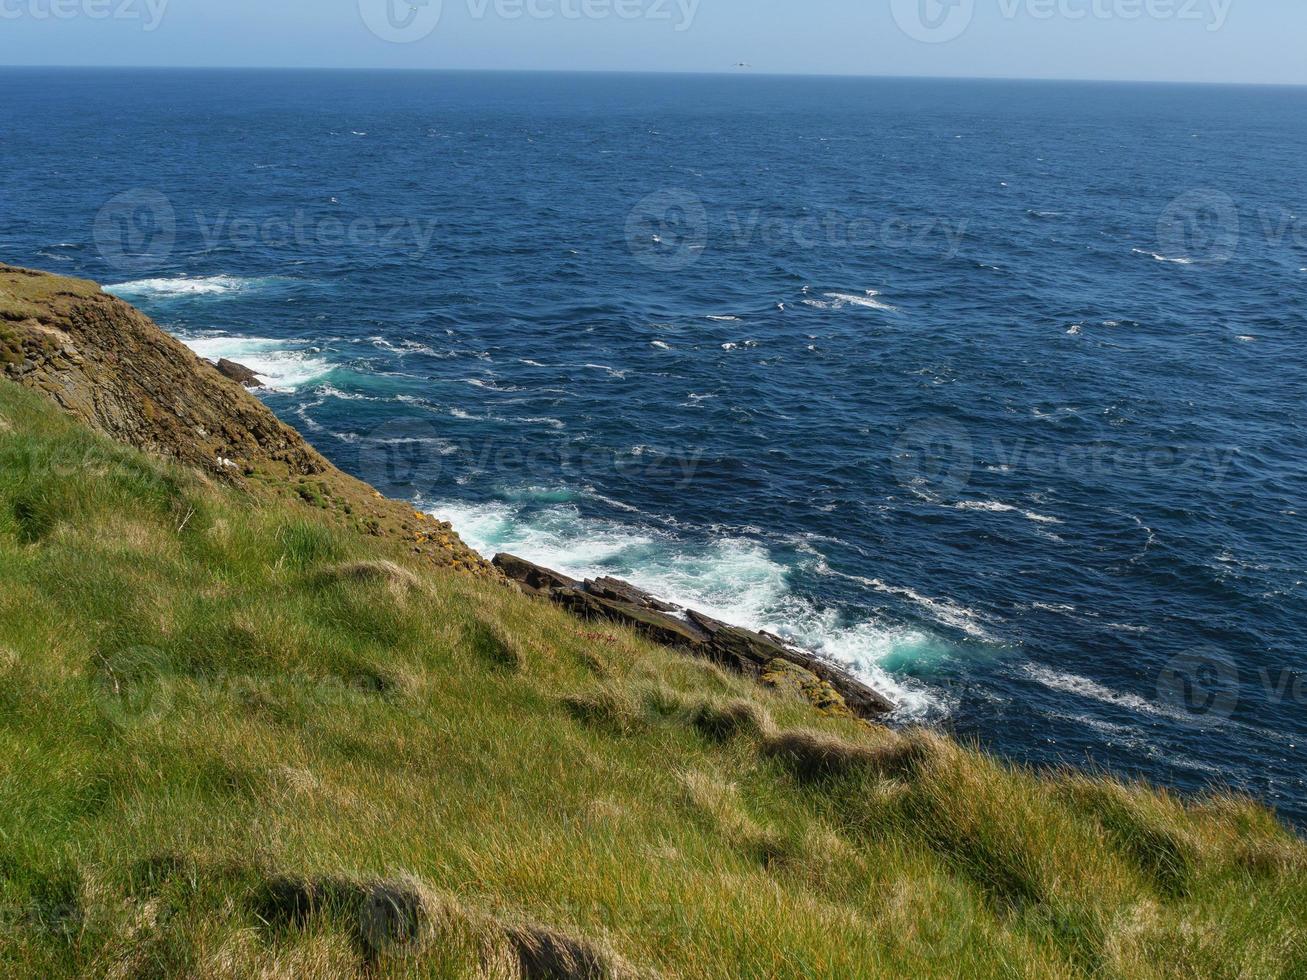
(788, 677)
(238, 373)
(533, 578)
(659, 627)
(763, 656)
(619, 591)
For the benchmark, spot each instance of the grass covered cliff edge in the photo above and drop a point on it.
(251, 731)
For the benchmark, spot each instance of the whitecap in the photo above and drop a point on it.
(402, 347)
(283, 365)
(1163, 258)
(837, 301)
(994, 506)
(604, 367)
(725, 319)
(660, 344)
(551, 422)
(1085, 687)
(185, 286)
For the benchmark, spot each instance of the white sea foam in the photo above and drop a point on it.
(1087, 688)
(731, 578)
(660, 344)
(724, 319)
(613, 372)
(402, 347)
(282, 365)
(1163, 258)
(994, 506)
(551, 422)
(186, 286)
(837, 301)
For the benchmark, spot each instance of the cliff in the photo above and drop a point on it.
(110, 366)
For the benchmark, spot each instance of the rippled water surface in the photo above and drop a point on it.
(992, 390)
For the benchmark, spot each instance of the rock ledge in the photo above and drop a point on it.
(762, 656)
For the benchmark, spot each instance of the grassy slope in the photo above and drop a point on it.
(198, 697)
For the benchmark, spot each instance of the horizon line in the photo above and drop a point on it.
(727, 73)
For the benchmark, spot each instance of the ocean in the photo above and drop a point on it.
(990, 390)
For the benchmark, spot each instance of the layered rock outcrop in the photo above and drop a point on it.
(762, 656)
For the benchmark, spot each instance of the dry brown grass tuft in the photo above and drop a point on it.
(397, 578)
(737, 717)
(547, 954)
(613, 708)
(814, 755)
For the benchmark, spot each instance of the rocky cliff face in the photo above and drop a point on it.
(110, 366)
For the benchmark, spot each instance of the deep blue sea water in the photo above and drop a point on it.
(992, 390)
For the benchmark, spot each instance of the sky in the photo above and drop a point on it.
(1258, 41)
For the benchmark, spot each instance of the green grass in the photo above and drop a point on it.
(234, 742)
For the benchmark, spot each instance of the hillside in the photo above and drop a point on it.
(245, 734)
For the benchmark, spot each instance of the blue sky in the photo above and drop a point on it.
(1181, 40)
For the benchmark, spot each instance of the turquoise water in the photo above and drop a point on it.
(989, 390)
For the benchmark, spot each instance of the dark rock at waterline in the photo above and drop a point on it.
(238, 373)
(658, 626)
(533, 578)
(762, 656)
(619, 591)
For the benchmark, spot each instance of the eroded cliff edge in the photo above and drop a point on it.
(113, 368)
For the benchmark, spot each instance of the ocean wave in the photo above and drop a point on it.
(187, 286)
(1084, 687)
(943, 611)
(837, 301)
(1162, 258)
(280, 364)
(733, 579)
(403, 347)
(994, 506)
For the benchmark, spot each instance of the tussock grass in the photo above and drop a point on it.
(235, 742)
